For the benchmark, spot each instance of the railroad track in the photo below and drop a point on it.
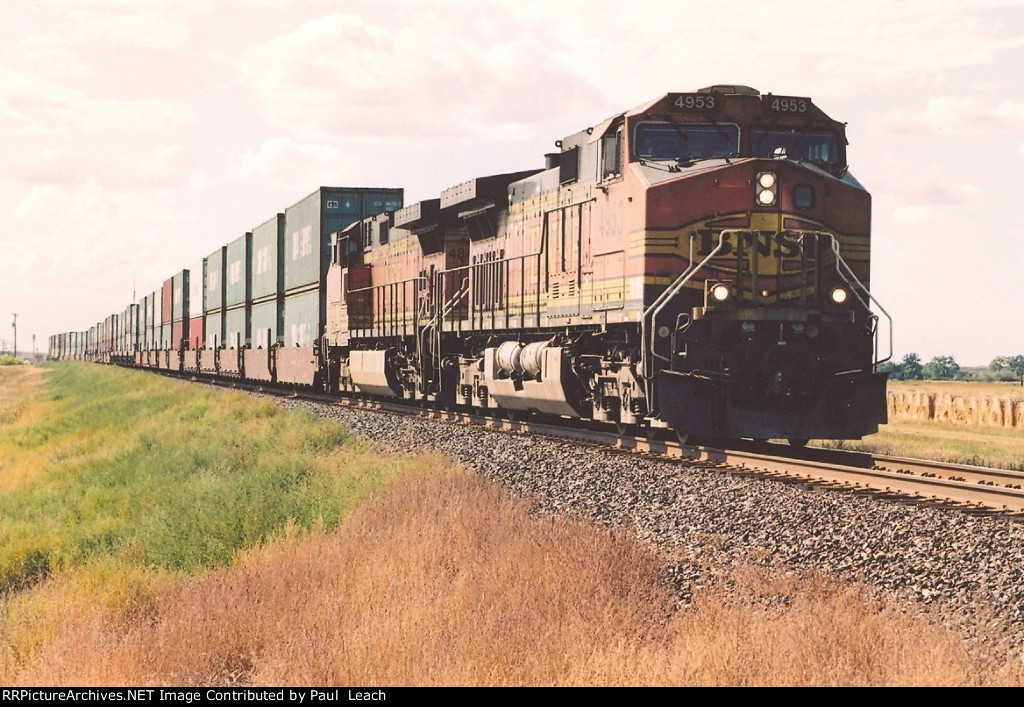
(972, 489)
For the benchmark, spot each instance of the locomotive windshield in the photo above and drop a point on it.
(814, 146)
(686, 141)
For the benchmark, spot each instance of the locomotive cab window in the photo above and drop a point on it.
(611, 155)
(569, 166)
(819, 147)
(685, 141)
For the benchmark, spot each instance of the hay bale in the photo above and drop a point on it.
(910, 406)
(986, 411)
(990, 412)
(944, 408)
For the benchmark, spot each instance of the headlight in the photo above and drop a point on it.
(766, 186)
(839, 295)
(719, 292)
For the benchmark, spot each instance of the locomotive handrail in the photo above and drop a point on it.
(391, 288)
(647, 332)
(431, 327)
(853, 276)
(506, 261)
(659, 304)
(856, 284)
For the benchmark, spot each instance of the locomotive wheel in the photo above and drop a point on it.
(683, 437)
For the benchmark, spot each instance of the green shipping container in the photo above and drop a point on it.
(267, 324)
(214, 329)
(268, 259)
(214, 296)
(237, 327)
(238, 271)
(309, 224)
(302, 318)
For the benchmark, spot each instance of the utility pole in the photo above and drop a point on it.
(14, 325)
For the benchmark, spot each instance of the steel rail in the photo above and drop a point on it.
(962, 487)
(972, 488)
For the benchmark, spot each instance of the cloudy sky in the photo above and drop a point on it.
(136, 136)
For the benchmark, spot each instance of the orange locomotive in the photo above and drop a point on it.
(700, 262)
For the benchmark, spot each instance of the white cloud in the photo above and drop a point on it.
(427, 75)
(290, 163)
(146, 29)
(870, 47)
(950, 193)
(157, 24)
(953, 115)
(913, 214)
(96, 239)
(30, 104)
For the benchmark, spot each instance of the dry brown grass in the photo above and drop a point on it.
(447, 581)
(22, 391)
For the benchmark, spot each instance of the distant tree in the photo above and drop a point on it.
(910, 368)
(890, 367)
(941, 368)
(1013, 364)
(1016, 364)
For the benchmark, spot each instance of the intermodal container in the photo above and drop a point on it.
(132, 329)
(267, 324)
(236, 327)
(238, 274)
(307, 252)
(268, 259)
(215, 327)
(167, 301)
(266, 318)
(196, 304)
(154, 321)
(144, 323)
(310, 222)
(303, 318)
(215, 298)
(179, 310)
(238, 292)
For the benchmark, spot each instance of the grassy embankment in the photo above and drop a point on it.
(1001, 447)
(159, 533)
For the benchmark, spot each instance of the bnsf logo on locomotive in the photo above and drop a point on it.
(768, 243)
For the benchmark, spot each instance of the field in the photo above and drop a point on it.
(947, 440)
(965, 388)
(158, 533)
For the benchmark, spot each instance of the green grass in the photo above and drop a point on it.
(148, 472)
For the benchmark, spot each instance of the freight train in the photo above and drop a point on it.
(700, 262)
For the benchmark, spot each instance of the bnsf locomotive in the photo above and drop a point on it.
(700, 263)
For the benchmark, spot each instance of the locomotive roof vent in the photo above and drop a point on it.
(729, 88)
